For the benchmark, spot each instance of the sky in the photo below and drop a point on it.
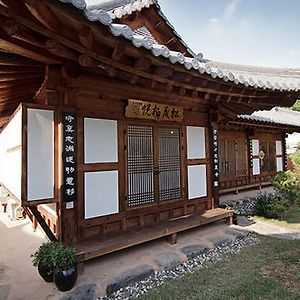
(250, 32)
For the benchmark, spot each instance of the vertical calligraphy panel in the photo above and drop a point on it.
(69, 188)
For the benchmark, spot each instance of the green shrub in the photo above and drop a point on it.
(54, 255)
(271, 206)
(44, 255)
(288, 185)
(64, 258)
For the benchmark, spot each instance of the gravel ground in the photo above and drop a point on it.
(207, 257)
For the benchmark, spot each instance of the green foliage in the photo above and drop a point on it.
(288, 185)
(296, 106)
(43, 256)
(295, 157)
(64, 258)
(54, 255)
(271, 206)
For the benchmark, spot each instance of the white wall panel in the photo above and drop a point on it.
(100, 140)
(255, 147)
(195, 142)
(40, 159)
(279, 164)
(11, 155)
(197, 181)
(278, 147)
(256, 166)
(101, 194)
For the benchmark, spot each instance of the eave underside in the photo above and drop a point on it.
(20, 80)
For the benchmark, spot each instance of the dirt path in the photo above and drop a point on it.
(268, 229)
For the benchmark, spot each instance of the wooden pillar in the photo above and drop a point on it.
(214, 159)
(284, 152)
(65, 99)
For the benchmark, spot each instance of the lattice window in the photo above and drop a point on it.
(231, 158)
(140, 165)
(268, 163)
(241, 161)
(169, 164)
(222, 158)
(153, 165)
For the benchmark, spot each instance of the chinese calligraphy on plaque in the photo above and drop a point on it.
(215, 158)
(153, 111)
(69, 157)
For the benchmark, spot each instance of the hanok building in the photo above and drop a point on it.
(253, 148)
(112, 121)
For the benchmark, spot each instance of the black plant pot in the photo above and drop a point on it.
(46, 273)
(65, 280)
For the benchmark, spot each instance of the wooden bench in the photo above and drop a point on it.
(95, 248)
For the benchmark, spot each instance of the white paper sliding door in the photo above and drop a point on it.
(279, 156)
(101, 193)
(101, 187)
(40, 154)
(255, 159)
(196, 159)
(11, 155)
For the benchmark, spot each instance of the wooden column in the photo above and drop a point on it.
(284, 152)
(64, 97)
(214, 159)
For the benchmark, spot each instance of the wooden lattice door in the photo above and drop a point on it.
(153, 165)
(268, 162)
(168, 164)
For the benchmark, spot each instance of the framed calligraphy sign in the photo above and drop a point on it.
(153, 111)
(69, 125)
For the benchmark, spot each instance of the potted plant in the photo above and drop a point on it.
(65, 274)
(43, 260)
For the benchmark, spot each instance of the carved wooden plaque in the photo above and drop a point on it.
(153, 111)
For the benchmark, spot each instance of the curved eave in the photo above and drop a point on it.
(254, 123)
(260, 83)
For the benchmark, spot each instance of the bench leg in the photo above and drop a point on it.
(229, 221)
(172, 239)
(34, 223)
(80, 267)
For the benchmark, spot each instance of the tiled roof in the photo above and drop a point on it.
(145, 32)
(120, 8)
(265, 78)
(276, 115)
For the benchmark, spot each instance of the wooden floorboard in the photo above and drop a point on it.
(135, 236)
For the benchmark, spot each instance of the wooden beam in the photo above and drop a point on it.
(118, 52)
(165, 72)
(134, 79)
(18, 31)
(44, 15)
(18, 77)
(59, 50)
(169, 88)
(15, 46)
(17, 7)
(181, 77)
(111, 71)
(182, 91)
(142, 63)
(86, 61)
(8, 59)
(42, 223)
(20, 69)
(86, 37)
